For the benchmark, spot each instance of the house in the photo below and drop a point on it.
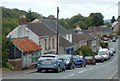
(100, 30)
(52, 23)
(41, 33)
(82, 38)
(116, 26)
(43, 36)
(24, 53)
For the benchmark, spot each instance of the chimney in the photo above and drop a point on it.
(77, 27)
(51, 17)
(22, 20)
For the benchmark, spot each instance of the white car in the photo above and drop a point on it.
(99, 58)
(112, 49)
(104, 52)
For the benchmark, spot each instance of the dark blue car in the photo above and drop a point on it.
(79, 61)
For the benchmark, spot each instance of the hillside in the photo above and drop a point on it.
(10, 18)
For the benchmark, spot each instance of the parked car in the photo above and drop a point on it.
(69, 61)
(114, 39)
(99, 58)
(79, 61)
(113, 49)
(51, 62)
(90, 60)
(111, 52)
(104, 52)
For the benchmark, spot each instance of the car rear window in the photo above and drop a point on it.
(76, 57)
(66, 57)
(47, 57)
(90, 57)
(101, 53)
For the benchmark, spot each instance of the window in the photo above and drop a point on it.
(49, 44)
(45, 44)
(34, 57)
(53, 43)
(69, 37)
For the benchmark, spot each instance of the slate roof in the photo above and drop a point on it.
(64, 43)
(82, 37)
(51, 23)
(25, 44)
(40, 29)
(100, 29)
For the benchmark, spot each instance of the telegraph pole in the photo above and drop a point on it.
(57, 29)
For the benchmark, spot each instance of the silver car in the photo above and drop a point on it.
(51, 62)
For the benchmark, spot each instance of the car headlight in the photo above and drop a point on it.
(67, 62)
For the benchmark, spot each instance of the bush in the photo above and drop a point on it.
(85, 50)
(7, 65)
(104, 45)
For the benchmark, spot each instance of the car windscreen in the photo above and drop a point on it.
(101, 53)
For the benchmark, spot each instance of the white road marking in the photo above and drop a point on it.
(91, 68)
(68, 76)
(82, 71)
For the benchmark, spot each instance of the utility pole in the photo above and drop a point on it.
(57, 31)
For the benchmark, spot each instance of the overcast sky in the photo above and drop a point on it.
(68, 8)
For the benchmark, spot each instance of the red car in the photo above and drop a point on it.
(90, 60)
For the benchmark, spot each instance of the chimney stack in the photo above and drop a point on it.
(22, 20)
(77, 27)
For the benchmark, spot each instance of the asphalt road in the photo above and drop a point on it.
(106, 70)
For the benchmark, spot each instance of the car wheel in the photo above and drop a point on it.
(94, 63)
(81, 65)
(70, 67)
(64, 68)
(39, 70)
(58, 69)
(73, 66)
(84, 65)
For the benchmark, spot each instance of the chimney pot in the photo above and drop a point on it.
(22, 20)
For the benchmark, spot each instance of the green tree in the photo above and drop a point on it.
(96, 19)
(113, 19)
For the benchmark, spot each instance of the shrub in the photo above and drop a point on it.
(104, 45)
(85, 50)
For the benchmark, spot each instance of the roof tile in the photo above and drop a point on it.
(25, 44)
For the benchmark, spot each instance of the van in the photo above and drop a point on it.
(104, 52)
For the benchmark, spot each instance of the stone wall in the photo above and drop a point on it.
(17, 63)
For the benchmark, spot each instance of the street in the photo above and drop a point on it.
(106, 70)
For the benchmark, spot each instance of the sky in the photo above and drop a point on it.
(67, 8)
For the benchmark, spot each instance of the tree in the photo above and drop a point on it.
(83, 22)
(30, 16)
(113, 19)
(96, 19)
